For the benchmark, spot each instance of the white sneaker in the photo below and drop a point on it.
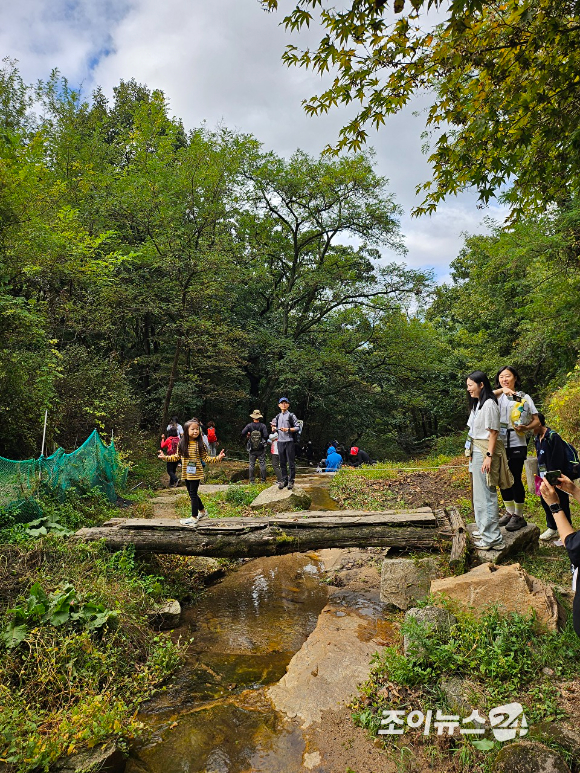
(558, 543)
(483, 546)
(548, 534)
(201, 514)
(188, 521)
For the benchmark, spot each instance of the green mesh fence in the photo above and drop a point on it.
(93, 465)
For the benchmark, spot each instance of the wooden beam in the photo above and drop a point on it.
(283, 533)
(459, 544)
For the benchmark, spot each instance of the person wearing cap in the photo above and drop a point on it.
(256, 435)
(358, 457)
(286, 425)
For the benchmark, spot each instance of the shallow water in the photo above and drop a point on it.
(214, 717)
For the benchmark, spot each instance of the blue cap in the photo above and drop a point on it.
(283, 400)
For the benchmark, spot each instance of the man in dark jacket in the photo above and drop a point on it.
(256, 436)
(552, 453)
(358, 457)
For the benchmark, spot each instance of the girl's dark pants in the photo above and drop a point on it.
(196, 503)
(565, 502)
(516, 458)
(171, 467)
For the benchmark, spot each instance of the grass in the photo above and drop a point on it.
(233, 503)
(64, 686)
(503, 656)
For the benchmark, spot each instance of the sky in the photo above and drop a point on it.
(219, 61)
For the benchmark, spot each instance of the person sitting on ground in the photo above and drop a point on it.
(333, 460)
(192, 452)
(569, 537)
(358, 457)
(256, 435)
(169, 446)
(552, 453)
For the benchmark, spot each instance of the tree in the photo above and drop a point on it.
(301, 265)
(504, 79)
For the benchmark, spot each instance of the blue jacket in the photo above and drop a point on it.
(333, 460)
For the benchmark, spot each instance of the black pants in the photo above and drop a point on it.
(287, 453)
(261, 457)
(516, 458)
(565, 502)
(171, 467)
(196, 503)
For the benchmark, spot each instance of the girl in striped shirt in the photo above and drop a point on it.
(192, 452)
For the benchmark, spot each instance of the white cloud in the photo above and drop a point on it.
(219, 61)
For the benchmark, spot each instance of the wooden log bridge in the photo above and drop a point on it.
(277, 534)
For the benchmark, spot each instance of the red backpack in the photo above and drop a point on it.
(211, 436)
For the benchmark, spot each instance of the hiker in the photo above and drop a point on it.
(286, 425)
(552, 453)
(212, 438)
(174, 423)
(273, 440)
(309, 452)
(358, 457)
(192, 452)
(488, 461)
(512, 401)
(256, 435)
(569, 537)
(333, 460)
(169, 446)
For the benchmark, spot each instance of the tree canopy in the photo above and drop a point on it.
(503, 77)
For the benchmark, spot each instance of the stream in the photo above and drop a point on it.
(215, 717)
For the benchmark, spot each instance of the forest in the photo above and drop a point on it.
(151, 269)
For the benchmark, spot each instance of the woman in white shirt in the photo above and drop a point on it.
(484, 428)
(508, 384)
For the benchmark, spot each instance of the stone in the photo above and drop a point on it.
(510, 587)
(528, 757)
(104, 759)
(461, 695)
(282, 500)
(165, 616)
(210, 569)
(239, 475)
(567, 737)
(404, 581)
(521, 541)
(328, 668)
(434, 618)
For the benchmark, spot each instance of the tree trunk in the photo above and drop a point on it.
(277, 535)
(170, 385)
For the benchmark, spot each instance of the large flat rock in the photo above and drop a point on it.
(328, 668)
(509, 587)
(282, 500)
(404, 581)
(520, 541)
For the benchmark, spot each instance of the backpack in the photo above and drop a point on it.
(256, 442)
(573, 469)
(211, 436)
(172, 443)
(294, 422)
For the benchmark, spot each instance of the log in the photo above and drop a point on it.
(459, 544)
(287, 533)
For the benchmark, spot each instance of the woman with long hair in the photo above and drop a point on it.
(192, 452)
(508, 390)
(488, 462)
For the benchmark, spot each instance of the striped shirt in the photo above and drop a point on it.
(193, 459)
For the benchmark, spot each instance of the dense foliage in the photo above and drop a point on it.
(149, 270)
(503, 77)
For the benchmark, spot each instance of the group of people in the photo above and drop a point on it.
(281, 437)
(499, 420)
(337, 455)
